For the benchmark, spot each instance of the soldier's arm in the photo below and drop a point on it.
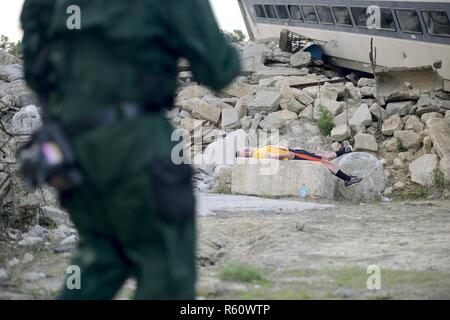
(215, 63)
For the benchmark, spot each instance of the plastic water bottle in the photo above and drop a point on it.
(303, 192)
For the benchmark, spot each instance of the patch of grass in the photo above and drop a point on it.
(419, 192)
(241, 273)
(41, 293)
(439, 179)
(400, 146)
(325, 121)
(277, 294)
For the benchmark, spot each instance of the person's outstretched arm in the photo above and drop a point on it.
(214, 61)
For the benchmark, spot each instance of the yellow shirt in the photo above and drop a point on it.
(261, 152)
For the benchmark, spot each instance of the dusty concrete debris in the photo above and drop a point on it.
(239, 89)
(303, 97)
(367, 92)
(335, 107)
(26, 121)
(3, 275)
(300, 59)
(7, 59)
(34, 276)
(294, 106)
(340, 133)
(444, 167)
(191, 92)
(426, 104)
(361, 117)
(230, 119)
(370, 169)
(392, 124)
(422, 169)
(430, 115)
(401, 108)
(207, 111)
(440, 135)
(281, 178)
(273, 121)
(222, 179)
(414, 123)
(365, 142)
(11, 72)
(241, 105)
(366, 82)
(264, 103)
(378, 112)
(409, 139)
(307, 112)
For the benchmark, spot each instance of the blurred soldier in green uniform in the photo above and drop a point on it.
(110, 84)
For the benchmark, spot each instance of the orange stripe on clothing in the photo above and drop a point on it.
(306, 157)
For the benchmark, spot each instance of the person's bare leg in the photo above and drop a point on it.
(328, 155)
(331, 166)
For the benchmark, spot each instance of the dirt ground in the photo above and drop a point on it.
(318, 253)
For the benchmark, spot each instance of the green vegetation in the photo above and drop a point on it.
(325, 121)
(439, 179)
(400, 146)
(241, 273)
(14, 48)
(418, 192)
(235, 36)
(344, 283)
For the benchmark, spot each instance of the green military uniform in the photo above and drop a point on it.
(135, 210)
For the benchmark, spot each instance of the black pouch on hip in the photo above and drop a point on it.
(173, 190)
(49, 159)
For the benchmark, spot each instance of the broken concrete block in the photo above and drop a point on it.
(365, 142)
(409, 139)
(440, 135)
(11, 73)
(222, 179)
(340, 133)
(401, 108)
(302, 97)
(191, 92)
(294, 106)
(230, 119)
(273, 121)
(273, 178)
(366, 82)
(300, 59)
(422, 169)
(430, 115)
(26, 121)
(361, 117)
(413, 123)
(394, 123)
(378, 112)
(370, 169)
(265, 102)
(206, 111)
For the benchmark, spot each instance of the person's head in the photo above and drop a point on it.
(246, 152)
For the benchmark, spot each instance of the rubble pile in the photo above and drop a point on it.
(21, 207)
(279, 99)
(285, 93)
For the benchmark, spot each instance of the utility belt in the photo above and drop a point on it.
(49, 158)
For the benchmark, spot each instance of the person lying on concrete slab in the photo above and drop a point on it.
(283, 153)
